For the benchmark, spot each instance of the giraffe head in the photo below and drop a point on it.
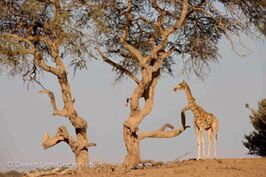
(181, 86)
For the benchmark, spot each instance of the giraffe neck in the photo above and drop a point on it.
(190, 98)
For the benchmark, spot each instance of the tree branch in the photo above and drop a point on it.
(18, 38)
(44, 66)
(181, 19)
(148, 95)
(117, 66)
(161, 133)
(137, 55)
(57, 112)
(61, 135)
(162, 56)
(51, 141)
(165, 33)
(162, 13)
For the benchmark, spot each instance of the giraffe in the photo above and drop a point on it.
(202, 121)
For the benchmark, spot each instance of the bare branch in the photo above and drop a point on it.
(61, 135)
(57, 112)
(117, 66)
(161, 133)
(51, 141)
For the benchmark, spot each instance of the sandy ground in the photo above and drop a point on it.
(255, 167)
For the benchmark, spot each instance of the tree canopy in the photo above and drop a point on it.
(29, 26)
(155, 25)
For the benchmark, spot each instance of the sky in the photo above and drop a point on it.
(25, 115)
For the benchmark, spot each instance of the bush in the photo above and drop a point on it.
(256, 140)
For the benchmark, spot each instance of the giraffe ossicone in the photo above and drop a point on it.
(203, 120)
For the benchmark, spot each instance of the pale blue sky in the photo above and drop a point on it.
(234, 81)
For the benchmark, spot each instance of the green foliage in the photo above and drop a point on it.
(26, 19)
(253, 10)
(256, 140)
(196, 42)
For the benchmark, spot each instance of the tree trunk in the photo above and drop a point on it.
(82, 158)
(137, 114)
(80, 145)
(82, 155)
(133, 150)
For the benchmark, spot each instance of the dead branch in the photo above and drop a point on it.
(161, 133)
(57, 112)
(51, 141)
(61, 135)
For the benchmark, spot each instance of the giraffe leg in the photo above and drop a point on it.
(215, 132)
(202, 144)
(209, 134)
(198, 143)
(214, 143)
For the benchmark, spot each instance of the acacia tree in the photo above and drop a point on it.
(37, 36)
(145, 37)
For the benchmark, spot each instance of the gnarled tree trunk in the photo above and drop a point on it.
(133, 150)
(79, 146)
(150, 65)
(43, 39)
(132, 137)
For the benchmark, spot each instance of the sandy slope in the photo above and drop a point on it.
(190, 168)
(255, 167)
(209, 168)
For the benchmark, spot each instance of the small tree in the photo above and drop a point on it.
(36, 36)
(256, 140)
(142, 39)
